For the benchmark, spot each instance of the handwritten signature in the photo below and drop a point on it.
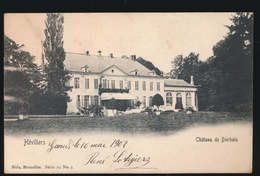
(128, 160)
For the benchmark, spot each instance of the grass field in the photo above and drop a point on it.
(133, 123)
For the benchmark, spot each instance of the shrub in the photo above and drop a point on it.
(179, 105)
(147, 109)
(48, 103)
(96, 109)
(112, 104)
(119, 105)
(138, 103)
(157, 100)
(189, 109)
(11, 108)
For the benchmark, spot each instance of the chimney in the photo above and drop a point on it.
(99, 52)
(133, 57)
(191, 80)
(87, 53)
(111, 55)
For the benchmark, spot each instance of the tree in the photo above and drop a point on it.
(233, 57)
(138, 103)
(157, 100)
(177, 65)
(149, 65)
(226, 78)
(178, 105)
(56, 74)
(21, 77)
(183, 68)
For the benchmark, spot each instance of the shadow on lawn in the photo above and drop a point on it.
(130, 124)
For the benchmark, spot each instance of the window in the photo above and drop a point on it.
(94, 100)
(169, 99)
(136, 85)
(107, 83)
(151, 86)
(158, 86)
(188, 99)
(95, 83)
(178, 98)
(144, 85)
(104, 83)
(78, 101)
(150, 101)
(85, 69)
(86, 101)
(144, 101)
(121, 84)
(129, 85)
(76, 83)
(86, 83)
(113, 84)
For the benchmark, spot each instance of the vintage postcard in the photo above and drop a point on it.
(128, 92)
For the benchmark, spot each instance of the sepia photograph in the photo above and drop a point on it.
(128, 92)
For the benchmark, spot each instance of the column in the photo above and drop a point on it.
(193, 99)
(197, 101)
(183, 94)
(173, 99)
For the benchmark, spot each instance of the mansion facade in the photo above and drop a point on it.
(96, 79)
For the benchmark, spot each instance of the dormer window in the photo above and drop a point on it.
(85, 69)
(151, 73)
(135, 72)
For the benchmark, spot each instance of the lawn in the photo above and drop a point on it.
(132, 123)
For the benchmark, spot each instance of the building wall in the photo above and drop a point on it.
(141, 94)
(183, 91)
(72, 105)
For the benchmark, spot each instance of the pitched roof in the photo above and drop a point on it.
(97, 64)
(177, 83)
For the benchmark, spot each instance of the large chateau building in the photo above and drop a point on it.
(96, 79)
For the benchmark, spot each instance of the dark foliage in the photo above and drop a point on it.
(178, 105)
(226, 79)
(157, 100)
(56, 75)
(138, 103)
(21, 78)
(48, 103)
(108, 90)
(149, 65)
(120, 105)
(189, 109)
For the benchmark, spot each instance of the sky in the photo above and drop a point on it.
(157, 37)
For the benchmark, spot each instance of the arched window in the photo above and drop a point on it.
(169, 99)
(178, 97)
(188, 100)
